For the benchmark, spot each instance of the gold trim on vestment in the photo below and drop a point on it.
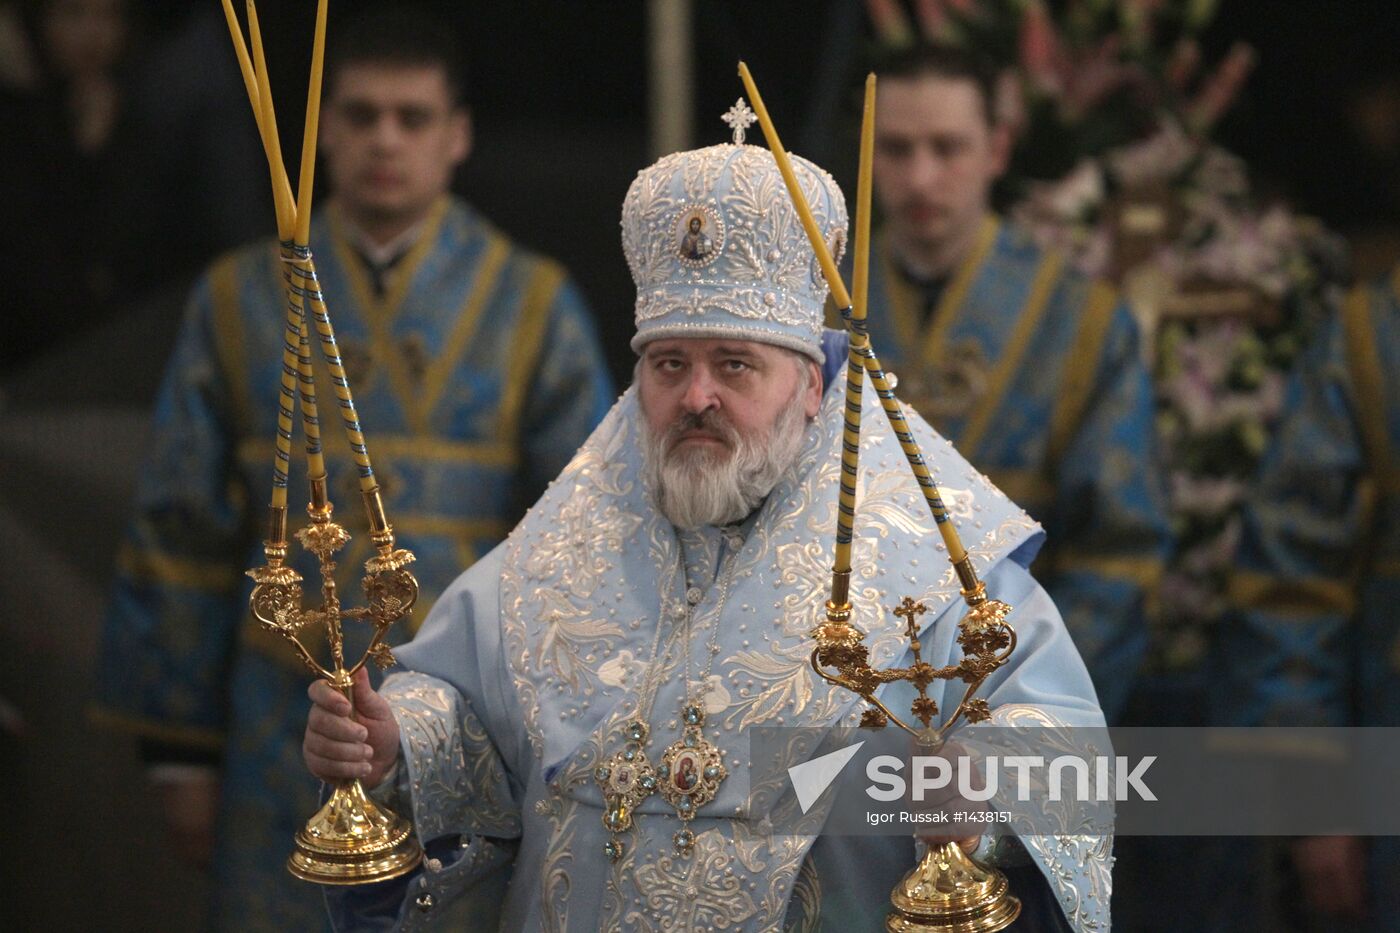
(407, 448)
(104, 718)
(1368, 380)
(1295, 596)
(926, 337)
(1081, 366)
(464, 327)
(448, 527)
(1144, 571)
(379, 314)
(540, 291)
(229, 337)
(1028, 488)
(954, 298)
(152, 567)
(1009, 360)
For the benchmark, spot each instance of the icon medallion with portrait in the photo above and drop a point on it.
(699, 235)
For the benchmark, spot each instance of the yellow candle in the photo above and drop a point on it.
(245, 65)
(860, 280)
(833, 277)
(308, 140)
(281, 189)
(855, 371)
(843, 299)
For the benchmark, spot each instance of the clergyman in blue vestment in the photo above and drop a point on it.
(656, 605)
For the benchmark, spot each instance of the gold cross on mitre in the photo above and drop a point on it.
(740, 118)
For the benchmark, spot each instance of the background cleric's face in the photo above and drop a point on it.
(745, 382)
(392, 138)
(936, 156)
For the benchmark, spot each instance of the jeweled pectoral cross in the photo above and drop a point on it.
(626, 779)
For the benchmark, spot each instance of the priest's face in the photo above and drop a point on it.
(392, 135)
(721, 421)
(937, 153)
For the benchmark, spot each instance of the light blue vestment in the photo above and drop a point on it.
(476, 376)
(522, 676)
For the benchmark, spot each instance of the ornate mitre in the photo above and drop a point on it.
(717, 250)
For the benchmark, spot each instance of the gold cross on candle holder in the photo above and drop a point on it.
(910, 611)
(985, 637)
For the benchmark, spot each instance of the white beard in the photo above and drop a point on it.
(700, 484)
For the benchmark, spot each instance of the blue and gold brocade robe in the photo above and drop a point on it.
(523, 677)
(476, 375)
(1314, 638)
(1035, 373)
(1317, 640)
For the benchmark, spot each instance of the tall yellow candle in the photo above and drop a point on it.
(245, 65)
(956, 552)
(860, 279)
(855, 370)
(286, 211)
(833, 277)
(281, 190)
(308, 140)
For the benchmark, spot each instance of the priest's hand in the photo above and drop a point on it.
(339, 746)
(968, 844)
(960, 816)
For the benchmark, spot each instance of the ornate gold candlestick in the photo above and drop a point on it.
(351, 840)
(948, 891)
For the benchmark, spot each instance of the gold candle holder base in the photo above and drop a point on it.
(950, 892)
(353, 840)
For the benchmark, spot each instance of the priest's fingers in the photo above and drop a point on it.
(368, 704)
(333, 747)
(335, 726)
(326, 697)
(329, 750)
(329, 769)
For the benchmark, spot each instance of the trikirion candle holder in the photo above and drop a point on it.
(351, 839)
(948, 891)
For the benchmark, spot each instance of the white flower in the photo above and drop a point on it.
(717, 698)
(618, 670)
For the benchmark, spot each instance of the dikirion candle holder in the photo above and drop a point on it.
(351, 839)
(947, 891)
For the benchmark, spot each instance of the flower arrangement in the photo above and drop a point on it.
(1114, 165)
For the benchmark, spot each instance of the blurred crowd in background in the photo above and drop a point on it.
(1233, 168)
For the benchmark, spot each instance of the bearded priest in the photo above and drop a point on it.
(655, 605)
